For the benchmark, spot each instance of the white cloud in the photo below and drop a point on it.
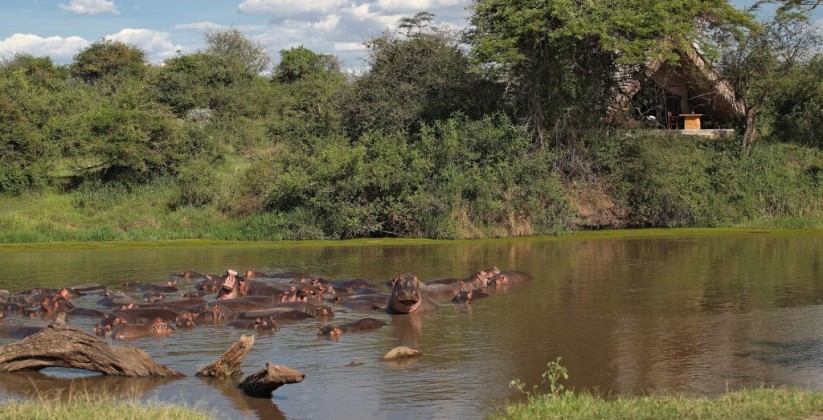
(349, 46)
(90, 7)
(201, 26)
(285, 8)
(59, 48)
(157, 45)
(327, 24)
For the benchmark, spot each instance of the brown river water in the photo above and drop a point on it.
(687, 313)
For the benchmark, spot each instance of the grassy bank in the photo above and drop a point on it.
(97, 407)
(631, 181)
(765, 403)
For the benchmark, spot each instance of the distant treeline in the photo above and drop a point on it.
(495, 131)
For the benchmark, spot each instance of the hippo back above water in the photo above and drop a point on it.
(510, 278)
(406, 296)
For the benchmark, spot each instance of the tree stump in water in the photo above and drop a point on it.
(62, 345)
(264, 382)
(228, 364)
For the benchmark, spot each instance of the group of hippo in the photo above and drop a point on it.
(255, 301)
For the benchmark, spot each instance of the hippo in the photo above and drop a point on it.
(158, 328)
(257, 324)
(196, 293)
(116, 299)
(179, 304)
(84, 312)
(104, 327)
(209, 284)
(136, 315)
(163, 287)
(153, 297)
(18, 331)
(88, 289)
(361, 325)
(350, 285)
(468, 296)
(366, 303)
(406, 296)
(254, 274)
(509, 278)
(189, 275)
(190, 319)
(131, 284)
(290, 310)
(263, 288)
(230, 287)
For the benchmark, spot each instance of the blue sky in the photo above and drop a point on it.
(61, 28)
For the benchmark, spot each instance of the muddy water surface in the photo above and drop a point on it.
(694, 314)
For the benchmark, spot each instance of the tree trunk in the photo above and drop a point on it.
(264, 382)
(61, 345)
(750, 134)
(228, 364)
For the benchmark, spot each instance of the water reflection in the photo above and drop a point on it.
(689, 314)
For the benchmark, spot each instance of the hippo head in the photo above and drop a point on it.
(500, 280)
(230, 289)
(184, 320)
(405, 294)
(463, 297)
(265, 324)
(160, 327)
(104, 327)
(331, 331)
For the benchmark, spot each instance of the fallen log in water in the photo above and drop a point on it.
(264, 382)
(62, 345)
(228, 364)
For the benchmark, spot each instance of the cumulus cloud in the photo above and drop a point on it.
(341, 27)
(288, 8)
(58, 48)
(90, 7)
(201, 26)
(157, 45)
(349, 46)
(417, 5)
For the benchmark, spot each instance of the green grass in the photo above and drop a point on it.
(750, 404)
(99, 407)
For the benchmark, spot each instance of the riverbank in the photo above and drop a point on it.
(101, 407)
(762, 403)
(637, 183)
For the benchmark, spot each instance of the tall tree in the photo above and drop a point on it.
(238, 50)
(417, 74)
(757, 58)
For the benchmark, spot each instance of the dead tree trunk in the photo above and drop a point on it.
(264, 382)
(62, 345)
(228, 364)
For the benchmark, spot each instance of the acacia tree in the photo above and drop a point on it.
(558, 57)
(417, 74)
(757, 58)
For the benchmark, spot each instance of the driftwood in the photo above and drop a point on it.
(228, 364)
(264, 382)
(62, 345)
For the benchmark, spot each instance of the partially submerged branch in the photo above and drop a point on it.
(228, 364)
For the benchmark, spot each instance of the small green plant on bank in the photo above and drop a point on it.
(554, 372)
